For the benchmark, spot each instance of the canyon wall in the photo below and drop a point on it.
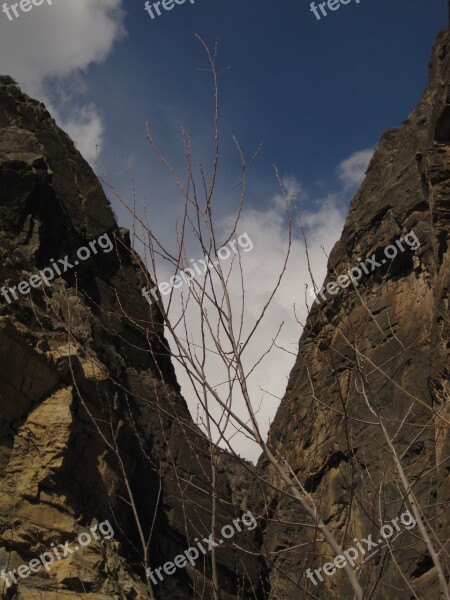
(389, 333)
(92, 423)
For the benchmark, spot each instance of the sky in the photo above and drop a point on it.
(317, 94)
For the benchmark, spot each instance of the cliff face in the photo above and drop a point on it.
(391, 334)
(92, 424)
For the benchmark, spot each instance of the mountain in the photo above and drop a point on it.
(93, 428)
(376, 349)
(105, 477)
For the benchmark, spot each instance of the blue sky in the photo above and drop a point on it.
(318, 93)
(313, 91)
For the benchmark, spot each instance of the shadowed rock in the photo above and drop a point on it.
(396, 326)
(86, 385)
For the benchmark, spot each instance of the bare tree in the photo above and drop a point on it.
(205, 322)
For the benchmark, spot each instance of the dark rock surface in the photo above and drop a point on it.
(396, 324)
(69, 395)
(76, 398)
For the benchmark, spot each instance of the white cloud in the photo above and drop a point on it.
(323, 220)
(352, 170)
(292, 192)
(58, 39)
(49, 45)
(86, 130)
(267, 230)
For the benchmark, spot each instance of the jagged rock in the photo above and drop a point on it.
(70, 394)
(328, 440)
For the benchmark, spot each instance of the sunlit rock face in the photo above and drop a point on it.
(86, 386)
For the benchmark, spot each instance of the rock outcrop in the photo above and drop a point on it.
(92, 423)
(391, 331)
(93, 426)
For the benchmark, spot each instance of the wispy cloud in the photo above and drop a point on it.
(351, 171)
(85, 127)
(72, 36)
(323, 219)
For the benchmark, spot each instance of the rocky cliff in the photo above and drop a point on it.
(376, 351)
(93, 427)
(92, 424)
